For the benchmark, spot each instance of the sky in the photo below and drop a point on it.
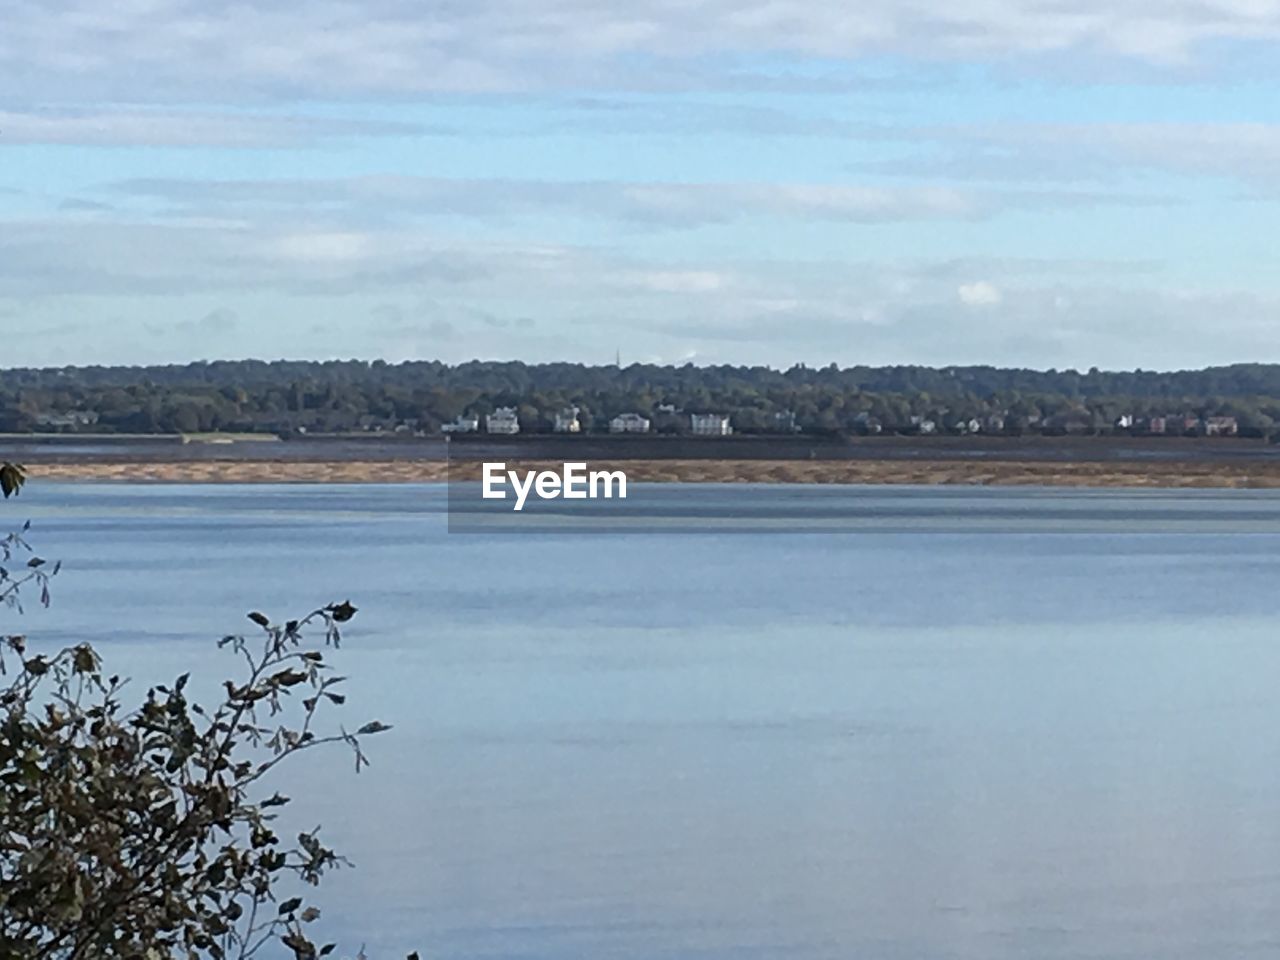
(1041, 184)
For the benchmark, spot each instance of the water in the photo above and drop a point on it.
(971, 724)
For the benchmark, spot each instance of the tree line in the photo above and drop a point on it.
(287, 397)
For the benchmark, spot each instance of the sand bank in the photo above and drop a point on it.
(1105, 474)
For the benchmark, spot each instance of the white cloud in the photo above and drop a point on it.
(680, 281)
(655, 204)
(1227, 149)
(322, 247)
(1084, 152)
(873, 320)
(47, 258)
(125, 126)
(980, 293)
(294, 290)
(177, 48)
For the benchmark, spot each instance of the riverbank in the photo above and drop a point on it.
(1242, 474)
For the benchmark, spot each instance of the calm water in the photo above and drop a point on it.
(971, 724)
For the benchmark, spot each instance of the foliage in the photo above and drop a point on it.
(12, 477)
(137, 833)
(341, 396)
(33, 570)
(148, 832)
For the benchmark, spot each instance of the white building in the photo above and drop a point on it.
(567, 421)
(1221, 427)
(710, 425)
(629, 423)
(76, 418)
(502, 420)
(461, 424)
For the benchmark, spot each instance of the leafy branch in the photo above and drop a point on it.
(33, 570)
(139, 833)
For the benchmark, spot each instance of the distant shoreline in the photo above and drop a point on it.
(104, 448)
(1048, 461)
(992, 472)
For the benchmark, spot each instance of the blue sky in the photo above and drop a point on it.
(759, 181)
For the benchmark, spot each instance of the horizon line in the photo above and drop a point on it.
(798, 365)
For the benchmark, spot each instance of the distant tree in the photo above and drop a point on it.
(283, 396)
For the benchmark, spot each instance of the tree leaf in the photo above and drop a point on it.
(12, 478)
(342, 612)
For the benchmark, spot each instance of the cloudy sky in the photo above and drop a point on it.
(1042, 183)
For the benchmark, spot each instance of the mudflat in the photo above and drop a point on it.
(1113, 461)
(1110, 473)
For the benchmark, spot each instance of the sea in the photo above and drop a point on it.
(751, 721)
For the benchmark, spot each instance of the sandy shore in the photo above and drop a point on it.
(1104, 474)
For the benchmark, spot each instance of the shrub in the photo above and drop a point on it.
(147, 832)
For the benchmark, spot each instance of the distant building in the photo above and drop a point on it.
(1221, 427)
(567, 421)
(710, 425)
(666, 408)
(995, 423)
(1124, 421)
(784, 421)
(462, 424)
(629, 423)
(72, 420)
(1175, 425)
(923, 425)
(502, 420)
